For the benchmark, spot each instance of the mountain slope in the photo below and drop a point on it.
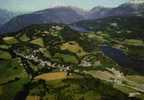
(124, 27)
(5, 16)
(64, 15)
(98, 12)
(127, 9)
(124, 33)
(67, 15)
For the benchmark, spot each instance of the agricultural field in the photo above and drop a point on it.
(52, 76)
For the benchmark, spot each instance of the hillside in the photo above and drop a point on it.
(52, 61)
(64, 15)
(126, 33)
(130, 27)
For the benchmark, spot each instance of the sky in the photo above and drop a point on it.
(35, 5)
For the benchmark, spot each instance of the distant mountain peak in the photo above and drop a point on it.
(62, 8)
(98, 8)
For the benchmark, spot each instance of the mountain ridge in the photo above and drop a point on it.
(68, 15)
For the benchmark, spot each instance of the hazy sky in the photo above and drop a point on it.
(33, 5)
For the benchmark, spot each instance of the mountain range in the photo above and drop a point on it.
(68, 15)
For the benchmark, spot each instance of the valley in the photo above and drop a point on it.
(57, 53)
(66, 53)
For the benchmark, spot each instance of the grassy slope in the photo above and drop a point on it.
(52, 39)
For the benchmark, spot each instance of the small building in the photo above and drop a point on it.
(85, 64)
